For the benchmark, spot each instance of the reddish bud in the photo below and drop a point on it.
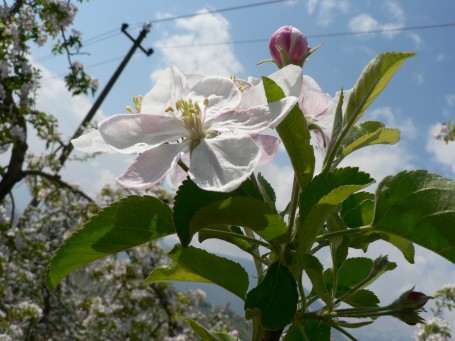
(288, 46)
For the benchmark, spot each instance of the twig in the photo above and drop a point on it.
(56, 179)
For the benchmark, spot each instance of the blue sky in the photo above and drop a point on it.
(420, 96)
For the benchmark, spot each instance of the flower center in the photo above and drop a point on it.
(192, 117)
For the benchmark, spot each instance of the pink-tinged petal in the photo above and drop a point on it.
(133, 132)
(176, 175)
(312, 100)
(268, 145)
(289, 79)
(221, 93)
(253, 120)
(221, 164)
(91, 142)
(170, 86)
(152, 165)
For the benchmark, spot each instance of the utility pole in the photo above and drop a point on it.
(136, 44)
(68, 148)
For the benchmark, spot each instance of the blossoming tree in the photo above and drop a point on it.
(208, 134)
(115, 305)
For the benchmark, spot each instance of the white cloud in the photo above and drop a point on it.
(442, 57)
(53, 98)
(380, 160)
(393, 11)
(450, 100)
(208, 60)
(386, 115)
(327, 10)
(419, 78)
(418, 41)
(363, 22)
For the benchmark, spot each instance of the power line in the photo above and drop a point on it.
(322, 35)
(227, 9)
(114, 32)
(262, 40)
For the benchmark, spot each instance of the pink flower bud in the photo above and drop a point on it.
(411, 299)
(288, 46)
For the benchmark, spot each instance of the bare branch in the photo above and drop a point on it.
(56, 180)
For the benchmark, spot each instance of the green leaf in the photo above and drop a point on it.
(126, 223)
(355, 274)
(274, 299)
(362, 298)
(404, 245)
(314, 330)
(358, 210)
(173, 272)
(239, 242)
(337, 127)
(205, 334)
(222, 271)
(367, 134)
(268, 189)
(241, 211)
(314, 269)
(372, 81)
(420, 207)
(325, 192)
(354, 270)
(294, 133)
(190, 198)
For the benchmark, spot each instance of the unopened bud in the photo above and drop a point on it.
(288, 46)
(411, 299)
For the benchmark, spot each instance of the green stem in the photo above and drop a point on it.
(366, 312)
(257, 257)
(239, 236)
(317, 248)
(366, 228)
(302, 292)
(343, 331)
(293, 206)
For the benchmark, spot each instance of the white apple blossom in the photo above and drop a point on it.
(317, 106)
(319, 109)
(194, 116)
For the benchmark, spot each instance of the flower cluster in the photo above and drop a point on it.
(199, 123)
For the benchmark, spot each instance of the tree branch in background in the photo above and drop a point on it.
(57, 181)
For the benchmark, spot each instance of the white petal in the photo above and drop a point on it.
(312, 100)
(193, 78)
(176, 175)
(268, 145)
(221, 93)
(288, 78)
(224, 162)
(170, 86)
(253, 120)
(152, 165)
(91, 142)
(133, 132)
